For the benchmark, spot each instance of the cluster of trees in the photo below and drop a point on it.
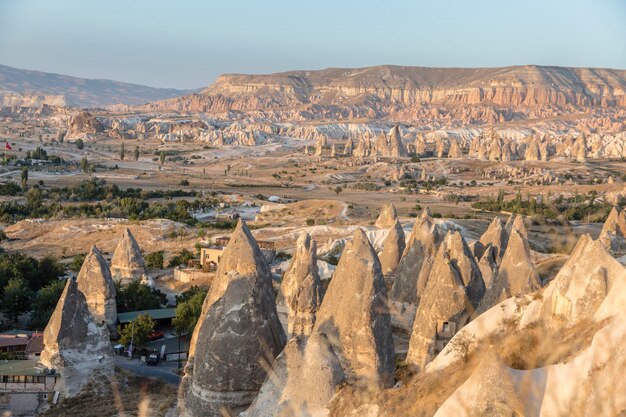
(188, 309)
(578, 207)
(136, 296)
(27, 284)
(103, 201)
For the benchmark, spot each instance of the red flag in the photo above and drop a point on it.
(7, 146)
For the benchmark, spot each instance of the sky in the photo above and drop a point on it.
(187, 44)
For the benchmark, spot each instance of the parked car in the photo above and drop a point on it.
(155, 334)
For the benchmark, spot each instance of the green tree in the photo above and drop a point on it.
(80, 144)
(154, 260)
(34, 198)
(77, 262)
(122, 153)
(137, 296)
(16, 299)
(189, 294)
(162, 157)
(182, 258)
(188, 312)
(137, 331)
(24, 178)
(35, 273)
(136, 153)
(45, 302)
(84, 165)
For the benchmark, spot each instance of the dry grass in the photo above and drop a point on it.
(125, 395)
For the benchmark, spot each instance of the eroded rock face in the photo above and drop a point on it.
(387, 217)
(516, 222)
(237, 336)
(301, 288)
(516, 273)
(355, 316)
(488, 266)
(303, 380)
(464, 262)
(392, 249)
(583, 282)
(444, 308)
(613, 234)
(455, 150)
(497, 236)
(83, 124)
(417, 259)
(74, 344)
(127, 263)
(448, 301)
(95, 282)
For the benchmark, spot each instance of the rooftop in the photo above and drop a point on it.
(156, 314)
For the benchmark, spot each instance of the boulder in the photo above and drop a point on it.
(354, 315)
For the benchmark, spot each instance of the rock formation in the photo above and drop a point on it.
(83, 124)
(516, 273)
(613, 234)
(495, 235)
(95, 282)
(127, 262)
(459, 253)
(387, 216)
(488, 266)
(420, 145)
(445, 305)
(396, 146)
(238, 334)
(302, 381)
(75, 345)
(417, 259)
(393, 247)
(516, 222)
(441, 148)
(301, 288)
(533, 152)
(348, 147)
(355, 316)
(583, 282)
(455, 150)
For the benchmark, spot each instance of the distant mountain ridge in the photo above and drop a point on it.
(19, 87)
(381, 90)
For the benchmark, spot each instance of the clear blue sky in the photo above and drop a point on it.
(186, 44)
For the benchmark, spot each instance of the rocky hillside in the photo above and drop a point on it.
(26, 88)
(385, 90)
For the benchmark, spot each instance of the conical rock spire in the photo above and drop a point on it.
(355, 316)
(238, 334)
